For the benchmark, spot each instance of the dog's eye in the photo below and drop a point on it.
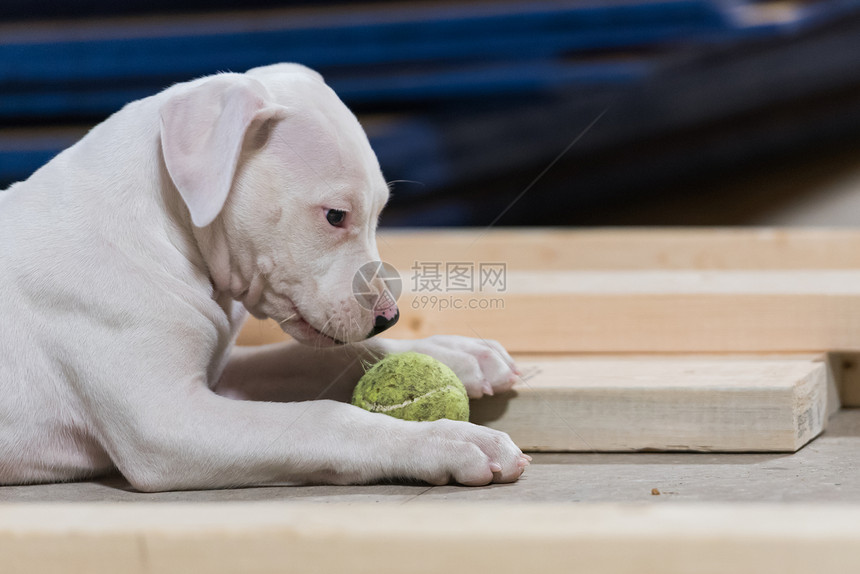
(335, 217)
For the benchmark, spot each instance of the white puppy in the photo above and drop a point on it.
(127, 264)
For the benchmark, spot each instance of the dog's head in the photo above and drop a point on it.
(284, 192)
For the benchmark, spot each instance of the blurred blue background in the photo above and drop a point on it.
(553, 112)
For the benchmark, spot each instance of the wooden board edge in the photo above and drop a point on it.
(655, 403)
(287, 537)
(846, 367)
(815, 399)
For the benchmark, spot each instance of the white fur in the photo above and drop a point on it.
(127, 264)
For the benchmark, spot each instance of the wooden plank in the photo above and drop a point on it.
(650, 312)
(417, 538)
(628, 249)
(663, 403)
(621, 312)
(639, 290)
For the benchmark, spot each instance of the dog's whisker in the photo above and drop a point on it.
(288, 318)
(326, 324)
(359, 351)
(355, 323)
(393, 181)
(376, 357)
(319, 343)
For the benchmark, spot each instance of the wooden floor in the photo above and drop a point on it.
(826, 470)
(570, 513)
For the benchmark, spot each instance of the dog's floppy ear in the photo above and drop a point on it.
(202, 130)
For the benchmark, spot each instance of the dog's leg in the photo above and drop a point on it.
(287, 372)
(181, 435)
(292, 372)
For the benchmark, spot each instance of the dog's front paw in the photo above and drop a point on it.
(484, 366)
(468, 454)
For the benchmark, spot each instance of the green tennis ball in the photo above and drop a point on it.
(413, 387)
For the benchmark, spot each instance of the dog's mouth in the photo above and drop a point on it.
(307, 333)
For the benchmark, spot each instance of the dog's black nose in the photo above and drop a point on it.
(382, 323)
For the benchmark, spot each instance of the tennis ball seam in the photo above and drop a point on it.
(379, 408)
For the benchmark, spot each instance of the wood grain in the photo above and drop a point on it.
(746, 320)
(419, 538)
(629, 248)
(663, 403)
(640, 290)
